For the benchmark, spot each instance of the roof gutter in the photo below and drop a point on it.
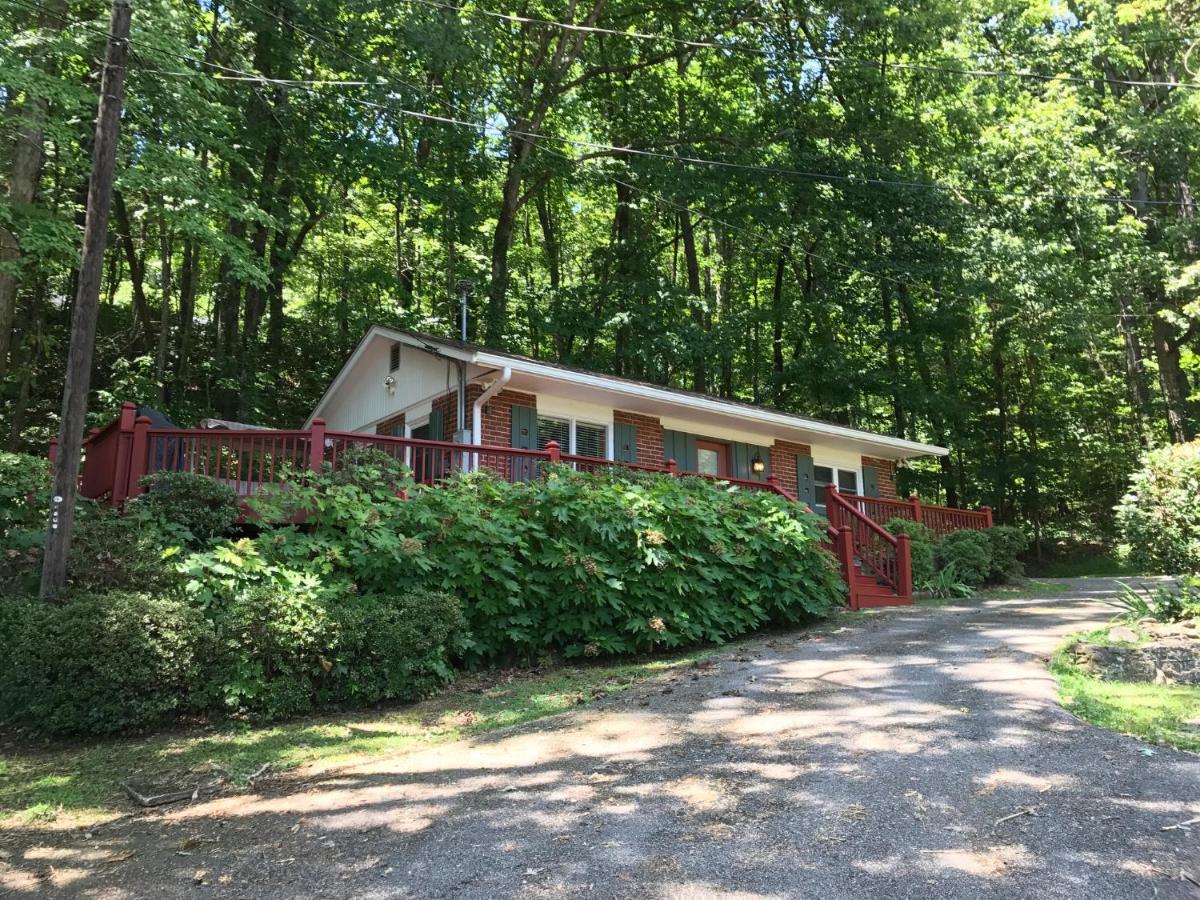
(489, 392)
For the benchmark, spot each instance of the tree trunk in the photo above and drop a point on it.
(164, 325)
(137, 269)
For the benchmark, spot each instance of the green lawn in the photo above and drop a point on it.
(79, 784)
(1160, 714)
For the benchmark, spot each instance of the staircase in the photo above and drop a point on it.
(876, 565)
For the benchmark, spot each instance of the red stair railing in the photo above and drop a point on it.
(863, 545)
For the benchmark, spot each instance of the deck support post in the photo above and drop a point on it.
(316, 445)
(672, 467)
(52, 453)
(139, 455)
(916, 508)
(120, 482)
(555, 452)
(904, 585)
(844, 547)
(987, 517)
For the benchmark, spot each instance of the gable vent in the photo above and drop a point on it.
(394, 358)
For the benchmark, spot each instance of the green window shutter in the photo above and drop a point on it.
(437, 421)
(625, 442)
(681, 447)
(804, 480)
(870, 481)
(524, 427)
(742, 457)
(524, 437)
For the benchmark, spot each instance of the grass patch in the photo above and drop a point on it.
(78, 784)
(1158, 713)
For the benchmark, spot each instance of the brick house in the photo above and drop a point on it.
(412, 385)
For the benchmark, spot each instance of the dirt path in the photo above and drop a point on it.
(914, 753)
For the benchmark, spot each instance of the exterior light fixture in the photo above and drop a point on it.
(757, 466)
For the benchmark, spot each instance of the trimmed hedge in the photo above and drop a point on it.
(198, 507)
(100, 663)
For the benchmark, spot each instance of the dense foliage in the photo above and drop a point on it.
(962, 560)
(971, 223)
(202, 508)
(101, 663)
(1159, 517)
(372, 597)
(582, 564)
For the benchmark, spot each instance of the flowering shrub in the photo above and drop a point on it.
(583, 564)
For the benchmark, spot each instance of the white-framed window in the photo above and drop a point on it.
(574, 436)
(848, 481)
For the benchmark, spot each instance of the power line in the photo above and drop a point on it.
(235, 75)
(812, 55)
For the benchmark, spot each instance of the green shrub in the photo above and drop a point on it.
(921, 543)
(109, 551)
(202, 508)
(99, 664)
(583, 564)
(24, 492)
(1163, 603)
(392, 647)
(1007, 545)
(1159, 518)
(945, 585)
(970, 553)
(273, 648)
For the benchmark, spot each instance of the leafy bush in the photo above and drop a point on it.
(1163, 603)
(109, 551)
(273, 647)
(1159, 517)
(945, 585)
(585, 564)
(99, 664)
(1007, 545)
(202, 508)
(921, 543)
(392, 647)
(24, 492)
(970, 555)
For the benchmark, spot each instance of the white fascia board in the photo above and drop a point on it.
(755, 414)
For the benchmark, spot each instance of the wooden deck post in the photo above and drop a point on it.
(120, 481)
(844, 546)
(52, 454)
(139, 455)
(916, 507)
(553, 449)
(316, 445)
(672, 467)
(987, 517)
(904, 585)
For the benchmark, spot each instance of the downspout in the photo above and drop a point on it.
(489, 392)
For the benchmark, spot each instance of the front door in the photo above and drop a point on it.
(712, 458)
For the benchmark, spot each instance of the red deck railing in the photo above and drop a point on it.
(941, 519)
(875, 564)
(251, 460)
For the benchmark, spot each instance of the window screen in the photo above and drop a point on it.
(847, 481)
(554, 430)
(591, 440)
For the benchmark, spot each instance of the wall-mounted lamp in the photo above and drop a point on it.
(757, 466)
(390, 384)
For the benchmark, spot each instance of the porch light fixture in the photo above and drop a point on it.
(757, 466)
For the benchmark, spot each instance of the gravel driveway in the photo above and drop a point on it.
(909, 753)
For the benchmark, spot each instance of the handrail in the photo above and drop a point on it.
(882, 555)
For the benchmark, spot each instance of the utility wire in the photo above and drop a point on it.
(234, 75)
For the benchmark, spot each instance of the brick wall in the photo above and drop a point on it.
(783, 463)
(497, 414)
(649, 436)
(393, 426)
(887, 475)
